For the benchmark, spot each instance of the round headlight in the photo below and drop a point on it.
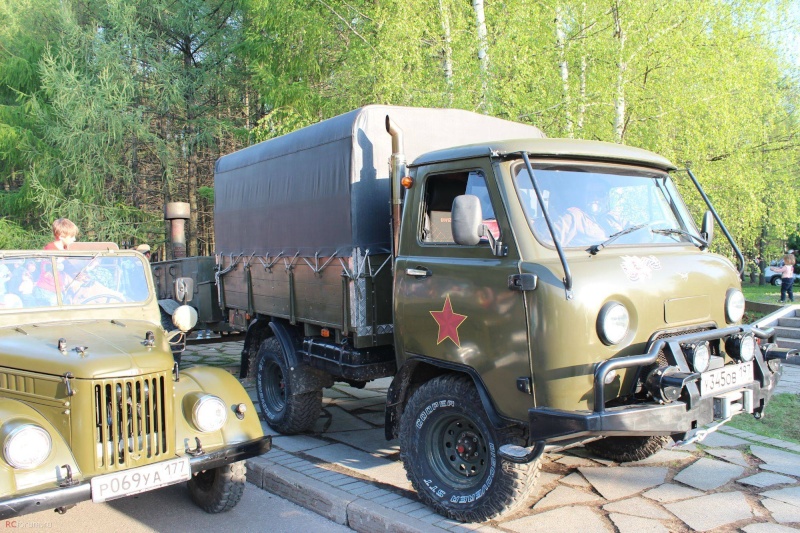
(27, 446)
(209, 414)
(184, 317)
(612, 323)
(734, 305)
(747, 348)
(701, 357)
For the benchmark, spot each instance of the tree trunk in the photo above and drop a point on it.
(622, 66)
(483, 54)
(447, 51)
(563, 67)
(191, 156)
(584, 66)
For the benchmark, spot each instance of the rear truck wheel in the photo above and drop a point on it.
(776, 281)
(284, 410)
(449, 450)
(219, 489)
(627, 449)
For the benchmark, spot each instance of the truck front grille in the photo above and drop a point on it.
(131, 421)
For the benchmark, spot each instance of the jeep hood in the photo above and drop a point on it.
(112, 349)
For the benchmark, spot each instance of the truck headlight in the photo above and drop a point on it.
(734, 306)
(27, 446)
(698, 354)
(209, 413)
(612, 323)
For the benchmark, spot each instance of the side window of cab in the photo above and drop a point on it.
(440, 191)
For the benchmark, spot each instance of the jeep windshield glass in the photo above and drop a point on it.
(102, 280)
(589, 204)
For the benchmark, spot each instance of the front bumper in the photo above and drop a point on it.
(550, 426)
(58, 497)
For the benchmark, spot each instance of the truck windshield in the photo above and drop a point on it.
(589, 204)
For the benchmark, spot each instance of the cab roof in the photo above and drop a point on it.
(551, 148)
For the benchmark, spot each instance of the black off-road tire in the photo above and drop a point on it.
(219, 489)
(627, 449)
(449, 450)
(284, 410)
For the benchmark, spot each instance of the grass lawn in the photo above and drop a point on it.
(780, 420)
(768, 294)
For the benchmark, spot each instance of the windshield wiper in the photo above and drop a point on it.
(593, 249)
(671, 231)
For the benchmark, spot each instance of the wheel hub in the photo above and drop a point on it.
(467, 445)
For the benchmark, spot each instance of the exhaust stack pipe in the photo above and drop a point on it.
(398, 172)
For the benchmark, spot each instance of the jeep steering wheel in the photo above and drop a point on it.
(109, 298)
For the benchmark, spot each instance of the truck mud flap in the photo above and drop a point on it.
(343, 361)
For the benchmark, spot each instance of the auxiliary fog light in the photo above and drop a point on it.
(741, 347)
(612, 323)
(698, 355)
(610, 377)
(27, 446)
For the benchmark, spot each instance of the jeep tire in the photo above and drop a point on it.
(219, 489)
(627, 449)
(285, 411)
(449, 450)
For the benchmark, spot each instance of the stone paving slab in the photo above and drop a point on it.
(563, 520)
(664, 456)
(576, 480)
(391, 472)
(616, 483)
(713, 511)
(782, 512)
(766, 479)
(789, 495)
(670, 492)
(636, 524)
(732, 456)
(638, 507)
(768, 528)
(562, 495)
(718, 440)
(707, 474)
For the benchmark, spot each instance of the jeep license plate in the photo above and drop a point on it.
(136, 480)
(726, 378)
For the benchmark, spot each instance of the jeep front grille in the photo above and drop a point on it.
(131, 421)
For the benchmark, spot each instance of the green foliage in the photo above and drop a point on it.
(14, 237)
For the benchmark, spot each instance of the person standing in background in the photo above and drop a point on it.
(787, 277)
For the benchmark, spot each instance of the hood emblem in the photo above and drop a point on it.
(640, 268)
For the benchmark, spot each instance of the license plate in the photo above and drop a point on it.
(136, 480)
(726, 378)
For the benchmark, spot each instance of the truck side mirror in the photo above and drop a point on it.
(184, 289)
(707, 230)
(467, 217)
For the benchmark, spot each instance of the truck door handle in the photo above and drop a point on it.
(419, 272)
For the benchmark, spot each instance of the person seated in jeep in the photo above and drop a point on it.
(91, 282)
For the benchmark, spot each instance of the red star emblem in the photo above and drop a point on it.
(448, 322)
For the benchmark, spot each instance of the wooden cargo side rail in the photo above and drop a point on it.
(314, 296)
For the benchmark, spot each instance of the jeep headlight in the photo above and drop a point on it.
(184, 318)
(27, 446)
(734, 306)
(209, 413)
(612, 323)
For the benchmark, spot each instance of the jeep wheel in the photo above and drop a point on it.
(449, 450)
(627, 449)
(219, 489)
(285, 411)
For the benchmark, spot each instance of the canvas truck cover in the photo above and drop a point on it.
(325, 189)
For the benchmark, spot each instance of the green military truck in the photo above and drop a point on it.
(526, 294)
(92, 404)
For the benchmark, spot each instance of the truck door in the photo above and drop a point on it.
(453, 303)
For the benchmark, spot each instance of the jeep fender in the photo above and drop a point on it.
(416, 371)
(198, 380)
(50, 471)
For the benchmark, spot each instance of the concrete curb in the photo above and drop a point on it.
(340, 506)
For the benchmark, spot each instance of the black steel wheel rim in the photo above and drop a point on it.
(457, 451)
(274, 387)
